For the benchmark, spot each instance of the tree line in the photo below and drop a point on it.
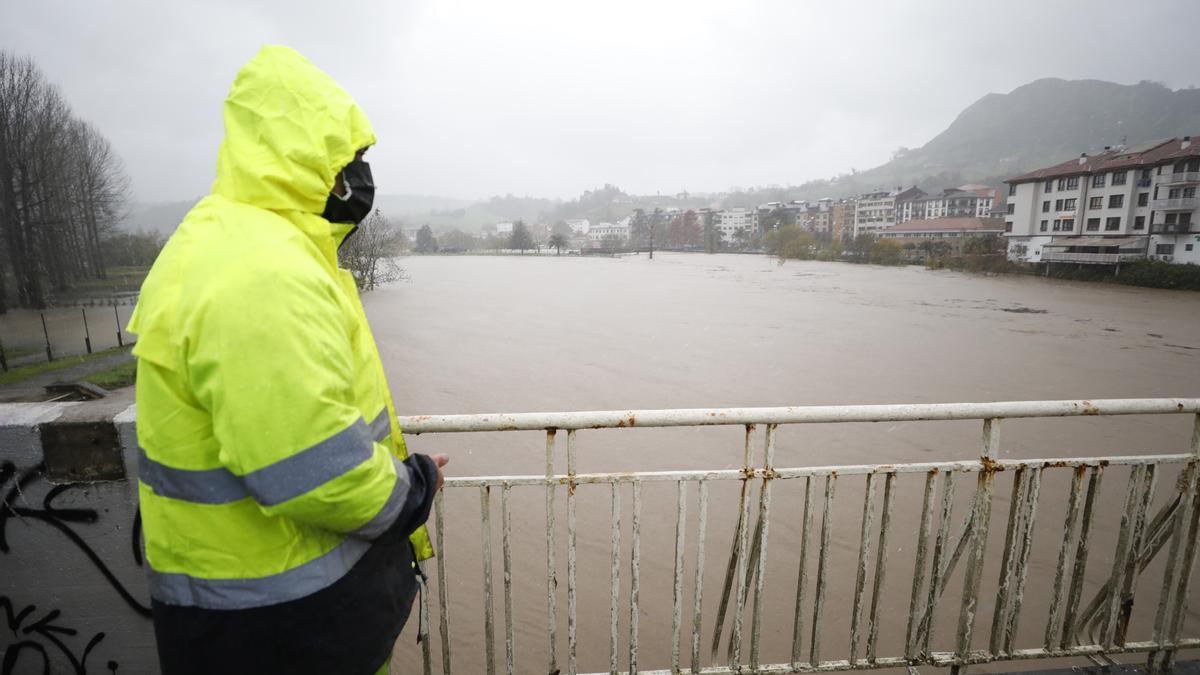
(62, 189)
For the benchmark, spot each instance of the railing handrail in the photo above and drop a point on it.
(903, 412)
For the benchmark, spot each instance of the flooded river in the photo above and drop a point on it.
(515, 334)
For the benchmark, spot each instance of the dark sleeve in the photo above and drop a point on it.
(422, 476)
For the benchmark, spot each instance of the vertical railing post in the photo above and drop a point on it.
(551, 569)
(120, 336)
(979, 533)
(572, 617)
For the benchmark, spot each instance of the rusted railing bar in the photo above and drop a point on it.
(925, 626)
(820, 471)
(1032, 492)
(802, 572)
(572, 609)
(1132, 570)
(635, 578)
(1124, 552)
(1179, 526)
(510, 642)
(881, 559)
(443, 586)
(920, 564)
(981, 516)
(860, 578)
(485, 509)
(698, 588)
(1081, 556)
(1060, 570)
(423, 628)
(737, 548)
(680, 539)
(551, 565)
(614, 580)
(760, 548)
(1179, 611)
(734, 653)
(603, 419)
(822, 569)
(1007, 562)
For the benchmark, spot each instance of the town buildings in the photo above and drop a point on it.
(1120, 205)
(730, 222)
(877, 210)
(960, 202)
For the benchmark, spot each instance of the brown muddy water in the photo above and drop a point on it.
(520, 334)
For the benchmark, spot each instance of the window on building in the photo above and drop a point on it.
(1096, 203)
(1118, 178)
(1093, 225)
(1164, 249)
(1058, 205)
(1098, 180)
(1062, 184)
(1068, 224)
(1069, 204)
(1189, 193)
(1012, 189)
(1173, 193)
(1048, 187)
(1010, 208)
(1143, 199)
(1046, 206)
(1185, 219)
(1116, 201)
(1042, 226)
(1073, 183)
(1112, 224)
(1169, 219)
(1008, 226)
(1187, 247)
(1139, 222)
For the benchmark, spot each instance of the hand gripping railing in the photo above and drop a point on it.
(1096, 631)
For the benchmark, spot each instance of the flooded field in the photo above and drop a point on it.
(512, 334)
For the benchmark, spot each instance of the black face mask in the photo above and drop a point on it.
(360, 195)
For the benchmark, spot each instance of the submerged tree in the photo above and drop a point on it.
(426, 243)
(520, 239)
(370, 252)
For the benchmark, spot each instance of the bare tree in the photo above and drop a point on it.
(370, 252)
(62, 188)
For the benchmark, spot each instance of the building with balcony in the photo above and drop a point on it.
(968, 201)
(729, 222)
(951, 230)
(1119, 205)
(877, 210)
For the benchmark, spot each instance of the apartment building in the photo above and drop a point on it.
(877, 210)
(968, 201)
(841, 218)
(1122, 204)
(951, 230)
(730, 221)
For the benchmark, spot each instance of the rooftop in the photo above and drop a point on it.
(1147, 154)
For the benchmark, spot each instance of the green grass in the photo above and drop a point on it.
(116, 377)
(22, 373)
(18, 352)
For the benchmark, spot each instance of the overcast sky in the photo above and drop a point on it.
(548, 98)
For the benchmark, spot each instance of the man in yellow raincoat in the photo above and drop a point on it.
(283, 516)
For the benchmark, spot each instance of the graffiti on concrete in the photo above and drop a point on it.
(62, 520)
(34, 639)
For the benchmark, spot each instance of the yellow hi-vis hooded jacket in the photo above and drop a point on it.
(270, 447)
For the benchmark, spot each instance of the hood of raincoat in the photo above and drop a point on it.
(289, 130)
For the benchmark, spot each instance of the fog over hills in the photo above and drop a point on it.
(1000, 135)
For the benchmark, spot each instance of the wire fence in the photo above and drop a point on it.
(35, 336)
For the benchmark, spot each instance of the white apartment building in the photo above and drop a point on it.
(968, 201)
(877, 210)
(504, 228)
(729, 221)
(579, 226)
(597, 233)
(1122, 204)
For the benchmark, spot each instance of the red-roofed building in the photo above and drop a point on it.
(1122, 204)
(952, 230)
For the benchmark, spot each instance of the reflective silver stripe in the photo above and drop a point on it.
(381, 426)
(312, 576)
(273, 484)
(313, 467)
(391, 508)
(204, 486)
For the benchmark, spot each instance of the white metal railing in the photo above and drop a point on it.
(1090, 258)
(1178, 204)
(1073, 628)
(1180, 177)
